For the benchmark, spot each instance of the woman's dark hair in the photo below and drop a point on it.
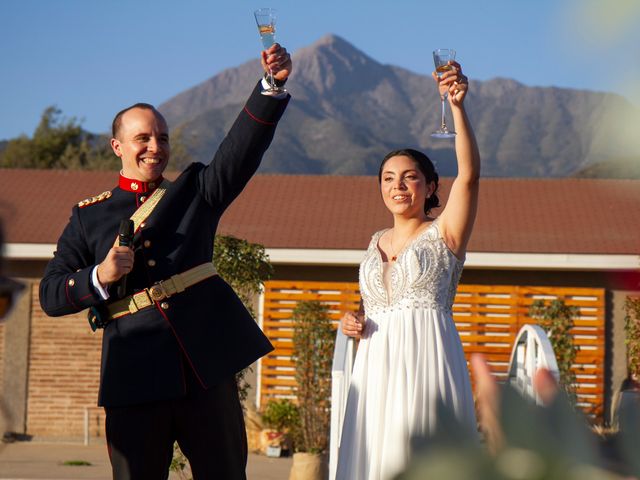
(424, 165)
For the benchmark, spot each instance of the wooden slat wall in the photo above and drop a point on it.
(280, 299)
(487, 317)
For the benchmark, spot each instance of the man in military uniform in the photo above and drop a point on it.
(175, 337)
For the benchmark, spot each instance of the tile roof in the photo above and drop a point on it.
(572, 216)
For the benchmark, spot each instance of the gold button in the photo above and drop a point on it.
(142, 199)
(71, 282)
(151, 263)
(164, 305)
(147, 243)
(142, 225)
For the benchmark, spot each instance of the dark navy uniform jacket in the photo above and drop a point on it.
(206, 327)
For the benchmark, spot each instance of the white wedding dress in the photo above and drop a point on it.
(409, 356)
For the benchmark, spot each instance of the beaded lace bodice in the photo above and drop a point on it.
(425, 275)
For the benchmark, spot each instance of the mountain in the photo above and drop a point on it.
(621, 168)
(349, 110)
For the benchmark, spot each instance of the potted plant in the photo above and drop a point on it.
(282, 421)
(313, 341)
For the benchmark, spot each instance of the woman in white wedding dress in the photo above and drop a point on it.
(410, 357)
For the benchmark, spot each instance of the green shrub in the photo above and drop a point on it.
(556, 319)
(313, 341)
(632, 340)
(281, 415)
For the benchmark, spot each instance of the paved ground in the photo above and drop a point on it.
(46, 461)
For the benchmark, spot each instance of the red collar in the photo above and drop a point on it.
(137, 186)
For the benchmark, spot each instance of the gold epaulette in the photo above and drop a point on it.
(93, 200)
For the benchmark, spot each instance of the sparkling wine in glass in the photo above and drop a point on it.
(266, 20)
(441, 59)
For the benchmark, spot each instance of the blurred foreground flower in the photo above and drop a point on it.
(525, 441)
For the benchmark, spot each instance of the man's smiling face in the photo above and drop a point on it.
(142, 143)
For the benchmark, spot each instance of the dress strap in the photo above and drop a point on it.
(376, 237)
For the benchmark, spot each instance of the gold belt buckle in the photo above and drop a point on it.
(140, 300)
(157, 292)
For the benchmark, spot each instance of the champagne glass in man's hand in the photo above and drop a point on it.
(266, 20)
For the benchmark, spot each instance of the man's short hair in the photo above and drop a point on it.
(117, 120)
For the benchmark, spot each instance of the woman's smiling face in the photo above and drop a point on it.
(404, 187)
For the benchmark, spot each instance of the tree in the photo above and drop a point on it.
(557, 320)
(632, 336)
(93, 153)
(243, 265)
(313, 341)
(17, 153)
(53, 136)
(180, 156)
(59, 142)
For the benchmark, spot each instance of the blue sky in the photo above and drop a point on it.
(91, 58)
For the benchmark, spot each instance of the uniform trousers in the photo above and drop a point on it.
(208, 425)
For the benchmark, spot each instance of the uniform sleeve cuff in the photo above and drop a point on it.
(79, 289)
(266, 86)
(96, 284)
(266, 108)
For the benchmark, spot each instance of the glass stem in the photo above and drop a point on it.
(271, 80)
(443, 125)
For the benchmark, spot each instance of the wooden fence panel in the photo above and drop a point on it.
(276, 372)
(488, 319)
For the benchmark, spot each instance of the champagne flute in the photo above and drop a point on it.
(266, 20)
(441, 59)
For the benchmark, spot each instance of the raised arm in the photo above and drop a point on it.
(458, 216)
(240, 153)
